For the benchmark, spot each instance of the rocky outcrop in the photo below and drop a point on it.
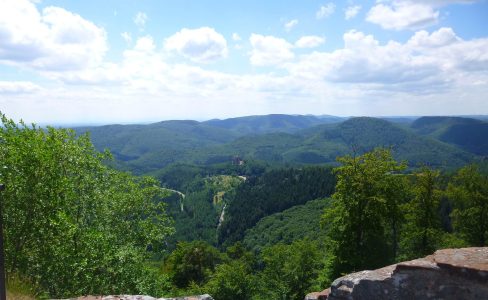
(447, 274)
(141, 297)
(318, 295)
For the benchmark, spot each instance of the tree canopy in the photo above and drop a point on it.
(72, 224)
(364, 211)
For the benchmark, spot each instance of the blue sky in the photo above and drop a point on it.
(142, 61)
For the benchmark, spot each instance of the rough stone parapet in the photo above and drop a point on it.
(447, 274)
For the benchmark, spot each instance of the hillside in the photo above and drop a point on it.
(435, 126)
(198, 209)
(466, 133)
(272, 123)
(128, 142)
(270, 193)
(296, 223)
(294, 140)
(470, 137)
(323, 143)
(364, 134)
(146, 148)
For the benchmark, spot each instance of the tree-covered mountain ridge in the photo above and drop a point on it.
(292, 139)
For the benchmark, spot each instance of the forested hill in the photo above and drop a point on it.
(296, 223)
(272, 123)
(467, 133)
(273, 192)
(364, 134)
(436, 125)
(129, 142)
(144, 148)
(278, 139)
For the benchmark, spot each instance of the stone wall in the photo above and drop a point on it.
(447, 274)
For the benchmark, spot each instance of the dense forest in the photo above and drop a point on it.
(148, 149)
(263, 207)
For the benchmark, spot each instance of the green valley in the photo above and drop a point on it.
(236, 198)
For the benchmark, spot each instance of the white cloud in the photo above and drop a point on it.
(203, 45)
(453, 55)
(439, 3)
(289, 25)
(427, 74)
(424, 63)
(126, 36)
(351, 11)
(442, 37)
(236, 37)
(269, 50)
(18, 87)
(310, 41)
(400, 15)
(325, 11)
(408, 14)
(54, 39)
(145, 44)
(140, 20)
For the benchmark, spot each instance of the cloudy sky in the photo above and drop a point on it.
(141, 61)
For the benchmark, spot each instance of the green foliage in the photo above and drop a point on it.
(73, 225)
(466, 133)
(21, 288)
(437, 125)
(273, 192)
(277, 140)
(271, 123)
(363, 218)
(323, 143)
(238, 251)
(290, 270)
(186, 177)
(232, 281)
(422, 232)
(147, 148)
(296, 223)
(375, 205)
(469, 137)
(378, 215)
(199, 218)
(180, 176)
(197, 213)
(279, 272)
(365, 134)
(192, 262)
(469, 193)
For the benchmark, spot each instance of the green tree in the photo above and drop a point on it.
(72, 224)
(232, 281)
(469, 192)
(192, 262)
(422, 231)
(363, 220)
(290, 270)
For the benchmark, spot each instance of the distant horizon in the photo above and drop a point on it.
(69, 125)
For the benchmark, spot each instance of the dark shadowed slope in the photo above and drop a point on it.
(466, 133)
